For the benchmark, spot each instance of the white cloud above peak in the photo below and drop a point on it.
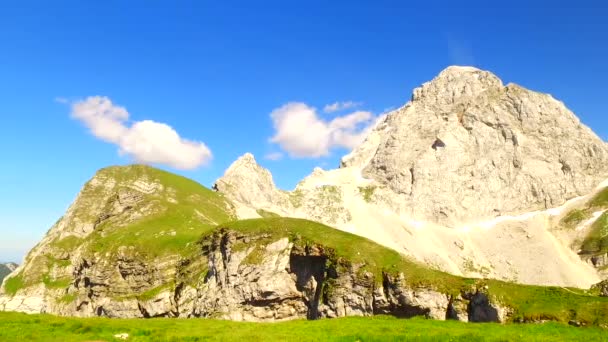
(274, 156)
(144, 141)
(338, 106)
(301, 133)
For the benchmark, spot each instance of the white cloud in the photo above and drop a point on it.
(274, 156)
(338, 106)
(145, 141)
(301, 133)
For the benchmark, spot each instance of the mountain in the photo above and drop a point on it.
(140, 242)
(127, 231)
(471, 177)
(467, 148)
(6, 269)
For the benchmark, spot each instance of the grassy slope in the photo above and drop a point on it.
(379, 328)
(172, 229)
(530, 302)
(596, 241)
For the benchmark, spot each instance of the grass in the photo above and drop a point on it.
(469, 266)
(67, 243)
(575, 217)
(256, 256)
(149, 294)
(367, 192)
(51, 283)
(173, 218)
(534, 303)
(296, 197)
(600, 199)
(13, 284)
(175, 225)
(529, 303)
(596, 241)
(266, 213)
(67, 298)
(378, 328)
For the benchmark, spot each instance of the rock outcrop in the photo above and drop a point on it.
(246, 182)
(253, 278)
(280, 280)
(602, 287)
(251, 188)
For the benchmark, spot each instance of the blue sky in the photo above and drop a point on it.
(215, 71)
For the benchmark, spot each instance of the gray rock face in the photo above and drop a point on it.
(279, 281)
(467, 147)
(602, 287)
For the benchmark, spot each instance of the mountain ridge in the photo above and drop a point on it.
(458, 182)
(142, 242)
(253, 270)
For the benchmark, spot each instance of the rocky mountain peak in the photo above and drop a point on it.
(466, 147)
(456, 82)
(245, 159)
(246, 181)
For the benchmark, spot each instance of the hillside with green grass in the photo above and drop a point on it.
(150, 213)
(596, 240)
(181, 210)
(380, 328)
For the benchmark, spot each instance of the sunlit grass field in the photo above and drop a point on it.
(22, 327)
